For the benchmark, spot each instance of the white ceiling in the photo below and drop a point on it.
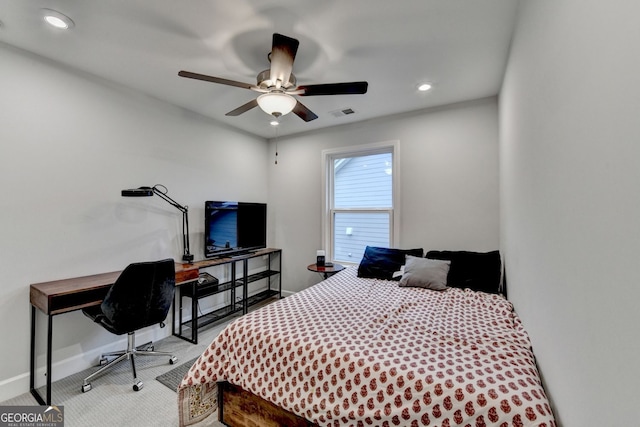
(460, 46)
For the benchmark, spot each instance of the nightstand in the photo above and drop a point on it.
(326, 271)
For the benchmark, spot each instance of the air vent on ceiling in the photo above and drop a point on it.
(342, 112)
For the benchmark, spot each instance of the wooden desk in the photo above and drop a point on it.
(67, 295)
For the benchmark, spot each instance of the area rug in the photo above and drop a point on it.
(172, 378)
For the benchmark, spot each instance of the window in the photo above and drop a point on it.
(361, 200)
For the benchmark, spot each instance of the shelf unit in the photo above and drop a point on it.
(239, 280)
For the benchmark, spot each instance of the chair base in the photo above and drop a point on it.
(130, 353)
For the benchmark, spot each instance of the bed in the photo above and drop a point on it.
(369, 351)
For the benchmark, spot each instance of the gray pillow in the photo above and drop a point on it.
(425, 273)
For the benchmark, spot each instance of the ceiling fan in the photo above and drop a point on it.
(277, 85)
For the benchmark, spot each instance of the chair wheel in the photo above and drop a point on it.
(138, 386)
(86, 387)
(173, 360)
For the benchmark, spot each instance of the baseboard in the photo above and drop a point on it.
(14, 386)
(19, 384)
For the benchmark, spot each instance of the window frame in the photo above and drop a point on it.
(328, 210)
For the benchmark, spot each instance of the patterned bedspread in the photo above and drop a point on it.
(351, 351)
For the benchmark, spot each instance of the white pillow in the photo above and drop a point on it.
(425, 273)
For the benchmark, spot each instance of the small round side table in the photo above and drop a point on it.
(326, 271)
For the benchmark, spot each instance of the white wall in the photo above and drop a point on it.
(570, 204)
(69, 143)
(448, 172)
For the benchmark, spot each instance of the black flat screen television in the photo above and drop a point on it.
(234, 227)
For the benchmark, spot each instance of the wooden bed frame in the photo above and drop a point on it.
(240, 408)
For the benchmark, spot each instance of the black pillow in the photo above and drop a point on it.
(479, 271)
(381, 263)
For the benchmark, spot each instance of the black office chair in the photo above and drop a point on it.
(140, 297)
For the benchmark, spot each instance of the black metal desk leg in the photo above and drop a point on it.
(32, 361)
(49, 354)
(173, 314)
(32, 369)
(194, 313)
(32, 379)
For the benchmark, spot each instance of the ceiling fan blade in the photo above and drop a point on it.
(303, 112)
(352, 88)
(243, 108)
(283, 53)
(190, 75)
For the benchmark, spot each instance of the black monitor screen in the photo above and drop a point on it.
(234, 227)
(252, 225)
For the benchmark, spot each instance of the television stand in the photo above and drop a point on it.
(239, 254)
(238, 283)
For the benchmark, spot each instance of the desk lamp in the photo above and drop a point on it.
(161, 191)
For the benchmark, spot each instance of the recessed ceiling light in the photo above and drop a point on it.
(424, 87)
(274, 123)
(57, 19)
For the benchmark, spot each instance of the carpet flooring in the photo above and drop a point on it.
(112, 401)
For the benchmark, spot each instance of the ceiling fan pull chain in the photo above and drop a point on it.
(276, 129)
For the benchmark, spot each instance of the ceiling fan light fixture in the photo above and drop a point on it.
(276, 103)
